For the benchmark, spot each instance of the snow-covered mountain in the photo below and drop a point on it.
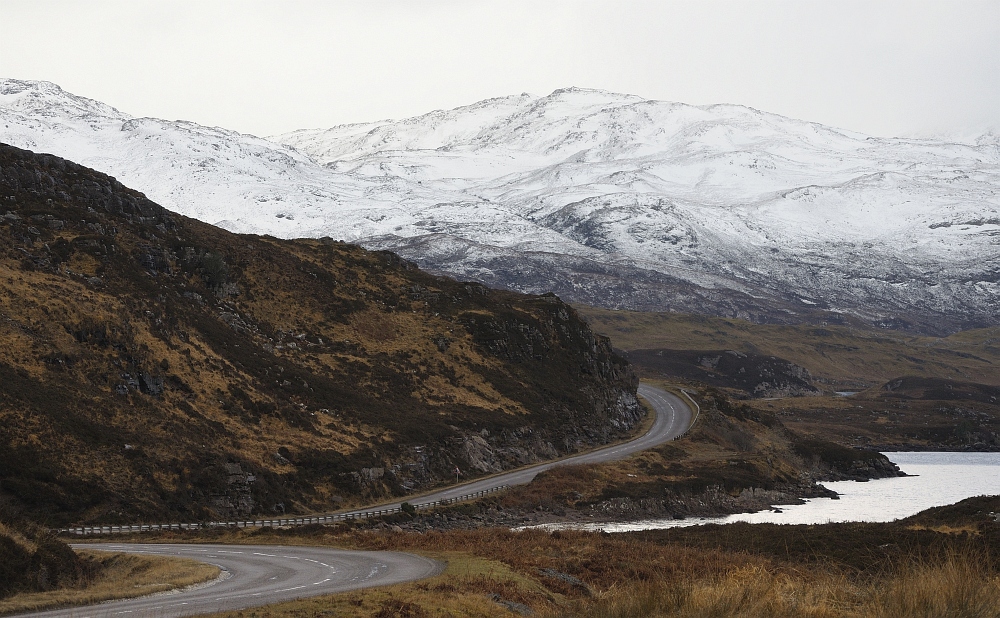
(240, 182)
(603, 198)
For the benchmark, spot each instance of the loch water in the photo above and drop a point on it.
(936, 479)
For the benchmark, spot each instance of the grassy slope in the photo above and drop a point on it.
(872, 420)
(843, 358)
(33, 560)
(948, 400)
(142, 352)
(114, 576)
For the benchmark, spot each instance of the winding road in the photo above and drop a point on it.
(262, 575)
(673, 418)
(254, 575)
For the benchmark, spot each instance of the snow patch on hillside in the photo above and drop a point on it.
(609, 199)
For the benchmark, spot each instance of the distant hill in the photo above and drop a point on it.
(866, 388)
(939, 389)
(153, 366)
(754, 374)
(603, 198)
(837, 358)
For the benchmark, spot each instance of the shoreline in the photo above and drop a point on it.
(705, 507)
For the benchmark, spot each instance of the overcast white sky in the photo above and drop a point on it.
(884, 68)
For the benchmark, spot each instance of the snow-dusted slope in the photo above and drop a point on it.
(604, 198)
(241, 182)
(791, 216)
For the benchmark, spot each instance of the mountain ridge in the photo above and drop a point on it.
(717, 209)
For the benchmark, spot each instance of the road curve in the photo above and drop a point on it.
(673, 418)
(256, 575)
(261, 575)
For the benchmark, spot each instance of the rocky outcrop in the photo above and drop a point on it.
(858, 470)
(46, 177)
(237, 498)
(755, 374)
(826, 461)
(714, 501)
(939, 389)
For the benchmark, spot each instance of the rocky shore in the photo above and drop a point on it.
(713, 502)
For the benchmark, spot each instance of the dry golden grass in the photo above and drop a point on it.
(19, 539)
(121, 576)
(465, 588)
(955, 586)
(946, 529)
(622, 577)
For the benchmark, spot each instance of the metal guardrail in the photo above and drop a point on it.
(284, 521)
(697, 411)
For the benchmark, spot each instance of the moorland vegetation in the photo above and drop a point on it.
(939, 563)
(154, 366)
(157, 367)
(874, 389)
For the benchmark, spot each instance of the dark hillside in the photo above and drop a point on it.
(909, 413)
(153, 366)
(903, 392)
(939, 389)
(838, 357)
(754, 374)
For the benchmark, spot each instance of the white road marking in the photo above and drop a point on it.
(667, 423)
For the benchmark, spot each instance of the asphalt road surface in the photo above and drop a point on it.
(261, 575)
(673, 418)
(257, 575)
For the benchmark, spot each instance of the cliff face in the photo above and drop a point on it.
(156, 366)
